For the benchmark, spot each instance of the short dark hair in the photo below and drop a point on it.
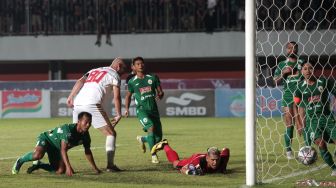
(87, 114)
(136, 59)
(296, 46)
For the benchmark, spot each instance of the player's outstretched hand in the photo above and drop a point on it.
(69, 172)
(115, 120)
(70, 102)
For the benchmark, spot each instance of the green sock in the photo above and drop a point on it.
(157, 138)
(46, 167)
(144, 138)
(326, 156)
(306, 138)
(288, 137)
(150, 140)
(27, 157)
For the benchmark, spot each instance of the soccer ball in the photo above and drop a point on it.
(307, 155)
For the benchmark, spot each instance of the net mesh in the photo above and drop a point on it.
(311, 24)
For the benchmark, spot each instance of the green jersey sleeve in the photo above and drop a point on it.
(278, 70)
(130, 86)
(64, 133)
(86, 140)
(298, 94)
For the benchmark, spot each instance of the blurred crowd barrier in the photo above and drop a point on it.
(62, 17)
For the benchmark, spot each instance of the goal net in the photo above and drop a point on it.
(312, 25)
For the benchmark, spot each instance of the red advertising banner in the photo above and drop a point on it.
(21, 101)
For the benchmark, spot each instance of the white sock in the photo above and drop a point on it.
(110, 150)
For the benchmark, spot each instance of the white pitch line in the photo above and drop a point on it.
(295, 174)
(81, 149)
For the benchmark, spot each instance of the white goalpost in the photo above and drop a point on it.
(250, 99)
(269, 26)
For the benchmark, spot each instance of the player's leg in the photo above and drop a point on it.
(325, 154)
(172, 156)
(288, 136)
(101, 121)
(37, 154)
(148, 126)
(157, 130)
(55, 161)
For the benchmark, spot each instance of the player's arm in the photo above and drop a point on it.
(127, 102)
(160, 92)
(117, 104)
(281, 74)
(64, 153)
(299, 112)
(89, 157)
(78, 85)
(301, 119)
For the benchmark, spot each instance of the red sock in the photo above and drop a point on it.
(171, 154)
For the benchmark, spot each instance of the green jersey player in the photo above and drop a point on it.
(288, 72)
(56, 143)
(316, 119)
(147, 90)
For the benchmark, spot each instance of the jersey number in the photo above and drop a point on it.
(95, 76)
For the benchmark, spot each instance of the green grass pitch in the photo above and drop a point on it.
(185, 135)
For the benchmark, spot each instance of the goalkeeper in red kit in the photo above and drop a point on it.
(213, 161)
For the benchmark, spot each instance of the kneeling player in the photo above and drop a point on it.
(214, 161)
(56, 143)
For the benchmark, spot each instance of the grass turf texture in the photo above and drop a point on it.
(185, 135)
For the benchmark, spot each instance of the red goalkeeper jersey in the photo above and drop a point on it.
(199, 160)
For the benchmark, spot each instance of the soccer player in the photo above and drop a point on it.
(316, 118)
(56, 143)
(288, 72)
(147, 90)
(89, 93)
(214, 161)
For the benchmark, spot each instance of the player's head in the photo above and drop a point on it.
(292, 49)
(118, 65)
(138, 64)
(307, 70)
(84, 122)
(213, 157)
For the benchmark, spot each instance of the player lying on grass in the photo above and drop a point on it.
(56, 143)
(214, 161)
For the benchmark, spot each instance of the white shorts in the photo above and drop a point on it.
(99, 116)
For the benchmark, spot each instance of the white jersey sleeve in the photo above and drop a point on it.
(98, 85)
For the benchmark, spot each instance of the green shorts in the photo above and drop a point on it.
(287, 99)
(321, 127)
(148, 120)
(54, 154)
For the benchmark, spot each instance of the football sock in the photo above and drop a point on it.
(144, 138)
(306, 138)
(150, 140)
(27, 157)
(171, 154)
(157, 138)
(288, 137)
(46, 167)
(325, 154)
(110, 150)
